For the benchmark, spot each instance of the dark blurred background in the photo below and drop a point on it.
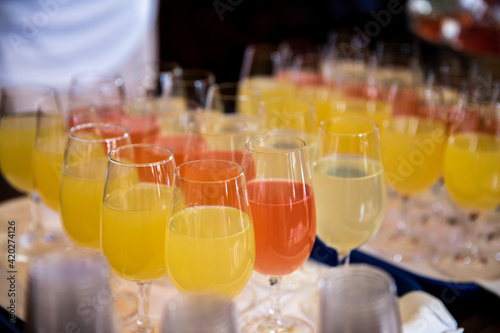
(213, 34)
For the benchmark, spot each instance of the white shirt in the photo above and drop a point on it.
(47, 41)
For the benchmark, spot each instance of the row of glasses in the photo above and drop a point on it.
(29, 114)
(470, 170)
(417, 121)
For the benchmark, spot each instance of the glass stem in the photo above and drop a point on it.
(275, 310)
(404, 227)
(470, 246)
(343, 258)
(143, 322)
(35, 227)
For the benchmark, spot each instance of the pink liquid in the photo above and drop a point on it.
(284, 220)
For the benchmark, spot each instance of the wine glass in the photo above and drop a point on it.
(216, 138)
(18, 112)
(470, 169)
(282, 203)
(82, 180)
(341, 309)
(137, 191)
(210, 245)
(192, 84)
(290, 50)
(412, 152)
(260, 60)
(259, 73)
(105, 90)
(48, 154)
(289, 116)
(231, 97)
(349, 184)
(99, 96)
(233, 100)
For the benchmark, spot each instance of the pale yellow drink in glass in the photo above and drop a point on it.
(471, 170)
(210, 249)
(47, 166)
(133, 231)
(17, 136)
(412, 153)
(350, 200)
(82, 188)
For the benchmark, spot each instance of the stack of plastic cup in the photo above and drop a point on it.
(69, 292)
(200, 313)
(358, 298)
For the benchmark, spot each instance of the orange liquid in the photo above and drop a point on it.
(284, 218)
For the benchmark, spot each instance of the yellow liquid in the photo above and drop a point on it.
(375, 110)
(82, 188)
(412, 153)
(265, 87)
(17, 136)
(47, 165)
(471, 170)
(133, 231)
(210, 249)
(349, 193)
(325, 101)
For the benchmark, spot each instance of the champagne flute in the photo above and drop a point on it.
(349, 187)
(99, 96)
(217, 138)
(230, 97)
(82, 180)
(259, 73)
(282, 203)
(289, 116)
(210, 246)
(48, 155)
(81, 190)
(193, 84)
(105, 90)
(470, 169)
(260, 60)
(412, 152)
(137, 191)
(18, 111)
(349, 184)
(234, 101)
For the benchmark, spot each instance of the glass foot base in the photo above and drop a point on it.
(466, 267)
(286, 324)
(30, 247)
(132, 327)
